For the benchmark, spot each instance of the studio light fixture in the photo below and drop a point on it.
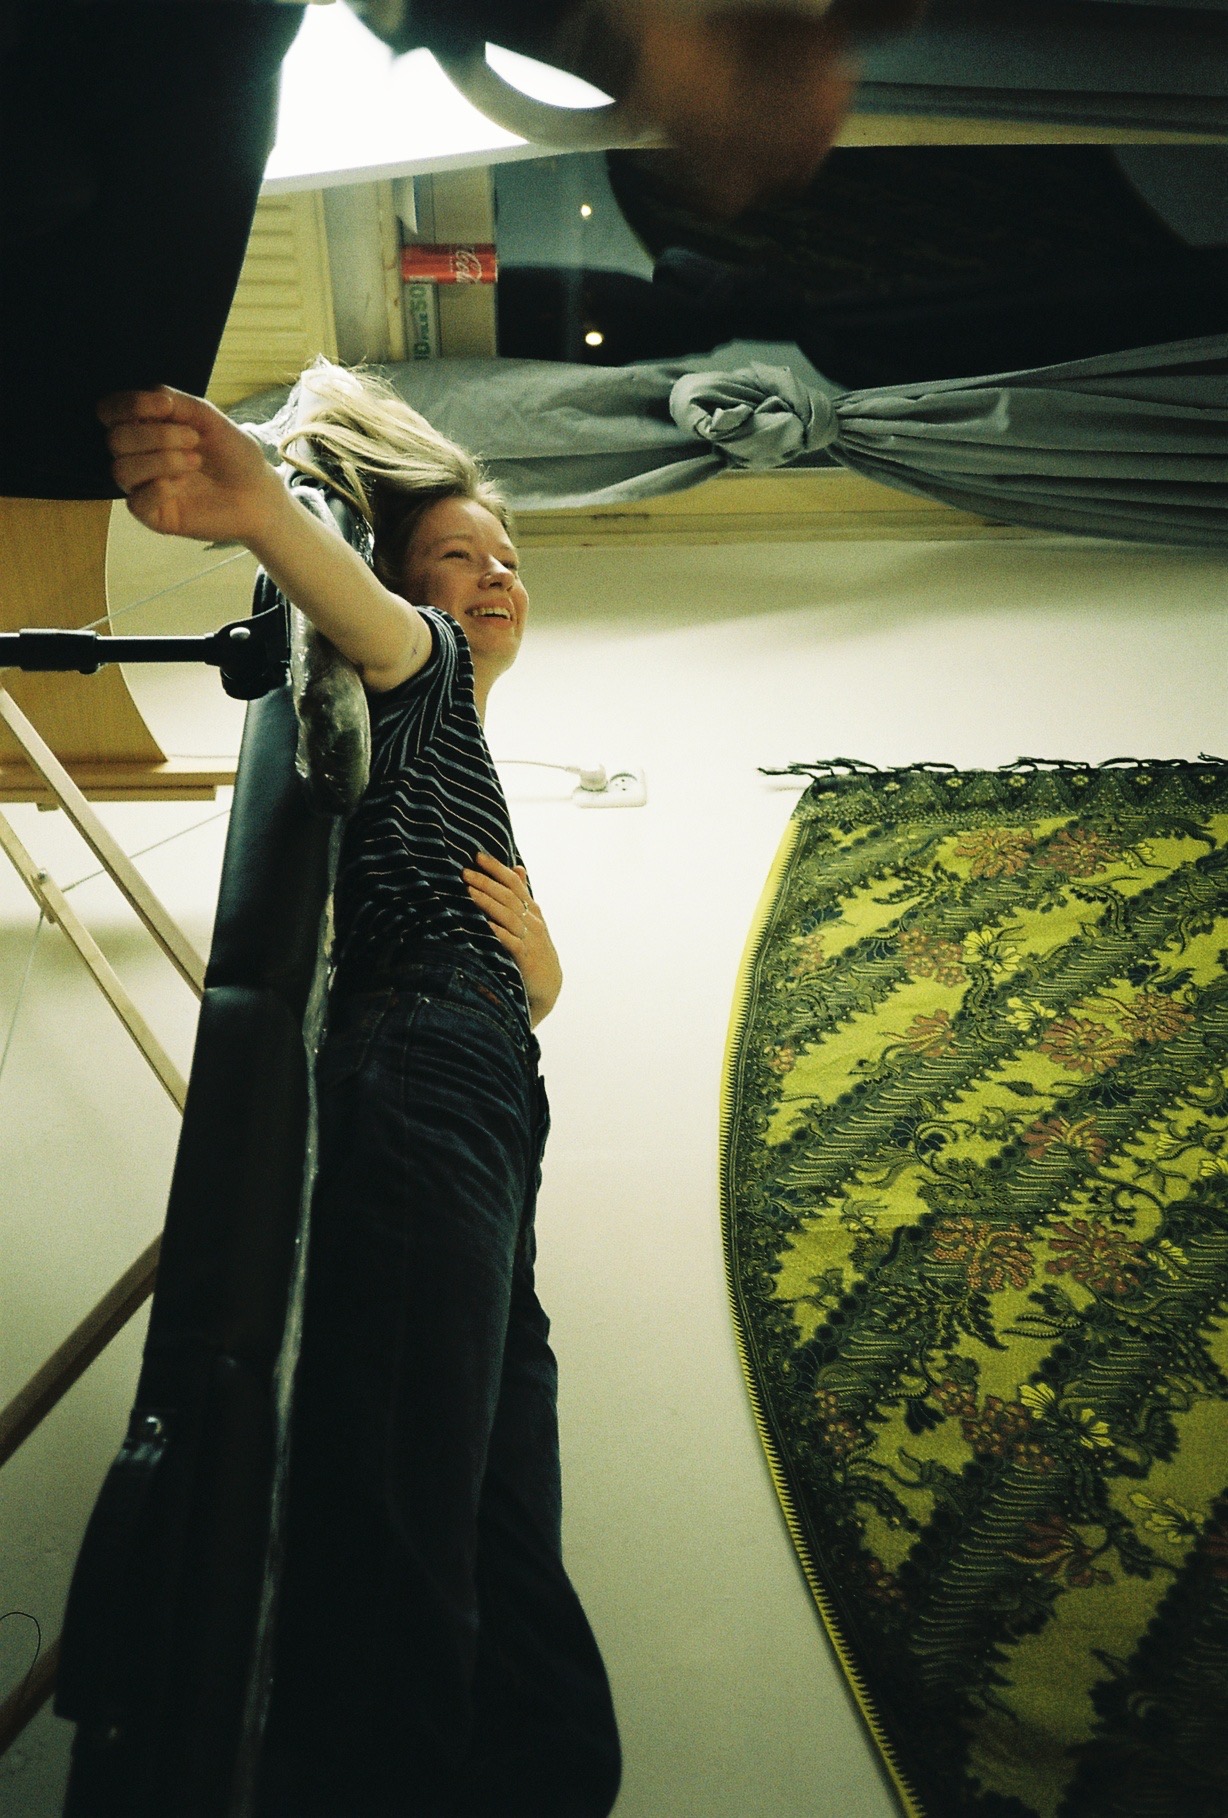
(352, 112)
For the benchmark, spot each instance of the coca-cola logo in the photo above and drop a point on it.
(466, 265)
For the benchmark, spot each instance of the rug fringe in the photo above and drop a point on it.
(831, 769)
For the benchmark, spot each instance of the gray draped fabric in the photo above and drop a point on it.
(1131, 445)
(556, 435)
(1082, 61)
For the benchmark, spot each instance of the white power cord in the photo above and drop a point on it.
(21, 991)
(597, 787)
(595, 779)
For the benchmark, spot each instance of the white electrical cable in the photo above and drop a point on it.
(595, 779)
(166, 840)
(149, 598)
(21, 992)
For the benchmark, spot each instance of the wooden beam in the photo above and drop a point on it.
(31, 1695)
(84, 1343)
(165, 930)
(190, 779)
(55, 905)
(959, 129)
(805, 505)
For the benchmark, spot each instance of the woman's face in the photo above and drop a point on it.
(461, 560)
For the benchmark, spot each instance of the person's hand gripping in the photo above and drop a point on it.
(501, 892)
(188, 470)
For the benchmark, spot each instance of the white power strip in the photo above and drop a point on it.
(597, 787)
(623, 789)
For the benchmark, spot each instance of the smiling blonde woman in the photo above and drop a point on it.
(432, 1658)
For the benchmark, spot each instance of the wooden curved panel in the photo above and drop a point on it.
(53, 558)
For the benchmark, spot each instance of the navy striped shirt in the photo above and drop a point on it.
(433, 802)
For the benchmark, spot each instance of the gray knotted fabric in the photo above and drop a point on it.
(556, 436)
(759, 418)
(1130, 445)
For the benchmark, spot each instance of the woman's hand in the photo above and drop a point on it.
(188, 470)
(501, 892)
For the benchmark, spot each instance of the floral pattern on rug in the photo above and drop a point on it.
(975, 1184)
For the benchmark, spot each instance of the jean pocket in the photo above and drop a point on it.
(481, 1026)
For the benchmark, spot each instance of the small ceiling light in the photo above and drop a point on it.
(594, 338)
(585, 210)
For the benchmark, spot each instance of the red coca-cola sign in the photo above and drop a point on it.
(450, 263)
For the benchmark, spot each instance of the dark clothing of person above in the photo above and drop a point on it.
(696, 304)
(432, 1658)
(118, 266)
(897, 222)
(1069, 313)
(895, 266)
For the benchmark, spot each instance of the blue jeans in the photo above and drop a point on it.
(432, 1658)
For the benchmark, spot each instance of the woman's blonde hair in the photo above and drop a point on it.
(350, 430)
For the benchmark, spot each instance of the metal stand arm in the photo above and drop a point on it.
(253, 655)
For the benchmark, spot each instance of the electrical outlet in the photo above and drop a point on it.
(624, 789)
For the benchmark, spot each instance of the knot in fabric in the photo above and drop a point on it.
(757, 417)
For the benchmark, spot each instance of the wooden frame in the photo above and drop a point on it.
(105, 847)
(55, 906)
(85, 1342)
(814, 505)
(953, 129)
(31, 1695)
(53, 558)
(69, 1361)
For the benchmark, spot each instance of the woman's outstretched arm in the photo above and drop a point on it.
(188, 471)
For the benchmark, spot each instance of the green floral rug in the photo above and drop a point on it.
(975, 1192)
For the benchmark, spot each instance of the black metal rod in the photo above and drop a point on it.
(252, 654)
(85, 651)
